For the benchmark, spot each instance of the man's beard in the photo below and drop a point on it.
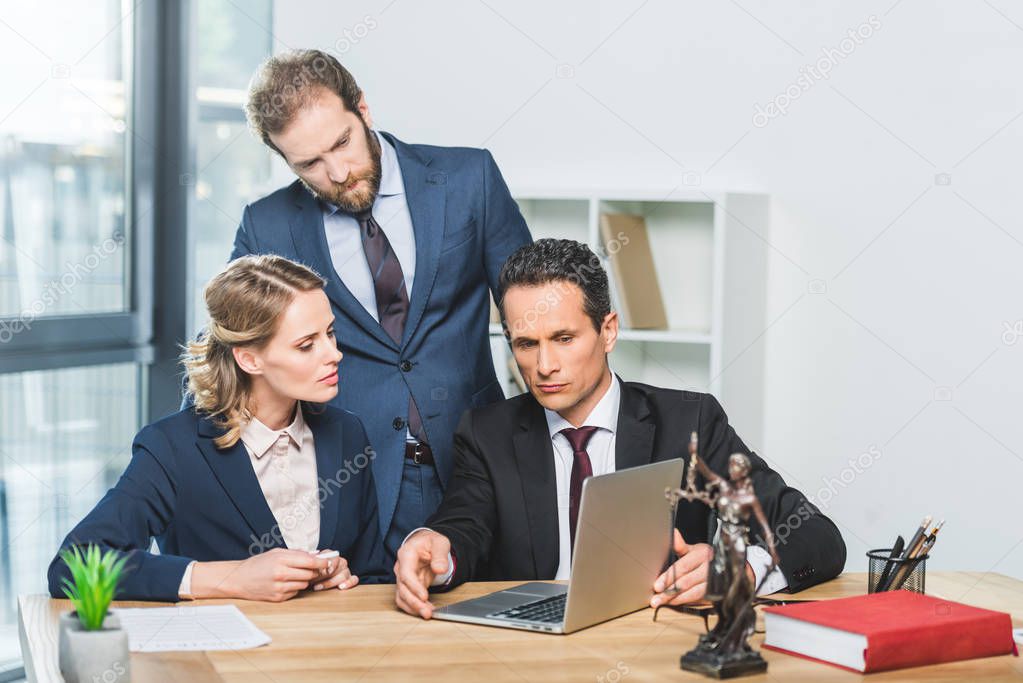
(360, 199)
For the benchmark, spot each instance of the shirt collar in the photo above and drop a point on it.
(391, 182)
(258, 438)
(390, 172)
(603, 416)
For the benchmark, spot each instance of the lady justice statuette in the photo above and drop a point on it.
(723, 652)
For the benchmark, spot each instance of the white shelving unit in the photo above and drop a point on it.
(710, 252)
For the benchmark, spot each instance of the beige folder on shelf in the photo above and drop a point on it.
(632, 265)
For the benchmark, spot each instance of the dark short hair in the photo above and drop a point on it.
(553, 260)
(291, 81)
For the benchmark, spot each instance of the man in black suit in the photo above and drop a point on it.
(511, 508)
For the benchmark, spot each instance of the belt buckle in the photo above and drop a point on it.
(416, 453)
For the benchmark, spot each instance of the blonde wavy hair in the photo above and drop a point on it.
(245, 302)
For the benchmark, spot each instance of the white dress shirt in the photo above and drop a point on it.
(600, 448)
(285, 465)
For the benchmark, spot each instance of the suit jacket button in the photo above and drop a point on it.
(405, 366)
(398, 423)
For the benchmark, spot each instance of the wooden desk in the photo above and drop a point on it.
(359, 635)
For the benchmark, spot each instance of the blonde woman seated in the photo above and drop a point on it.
(244, 489)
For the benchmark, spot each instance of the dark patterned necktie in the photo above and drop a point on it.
(581, 468)
(391, 295)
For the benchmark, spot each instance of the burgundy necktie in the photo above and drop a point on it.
(391, 294)
(581, 468)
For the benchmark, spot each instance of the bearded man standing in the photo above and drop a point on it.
(411, 239)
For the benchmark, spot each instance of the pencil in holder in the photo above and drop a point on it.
(885, 574)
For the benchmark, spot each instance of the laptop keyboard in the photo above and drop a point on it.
(546, 611)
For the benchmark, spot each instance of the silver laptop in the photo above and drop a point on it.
(621, 545)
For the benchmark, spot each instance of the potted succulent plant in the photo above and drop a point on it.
(92, 645)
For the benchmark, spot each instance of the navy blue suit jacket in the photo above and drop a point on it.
(203, 503)
(466, 225)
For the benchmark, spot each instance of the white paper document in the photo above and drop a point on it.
(166, 629)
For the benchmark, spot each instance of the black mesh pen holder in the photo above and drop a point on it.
(888, 575)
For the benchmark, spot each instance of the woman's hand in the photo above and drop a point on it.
(274, 576)
(336, 575)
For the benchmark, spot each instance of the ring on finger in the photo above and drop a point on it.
(674, 588)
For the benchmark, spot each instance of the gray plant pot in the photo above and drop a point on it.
(93, 656)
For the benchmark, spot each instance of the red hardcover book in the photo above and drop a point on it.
(885, 631)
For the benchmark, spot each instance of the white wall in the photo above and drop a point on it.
(918, 277)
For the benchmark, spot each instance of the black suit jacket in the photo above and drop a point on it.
(500, 509)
